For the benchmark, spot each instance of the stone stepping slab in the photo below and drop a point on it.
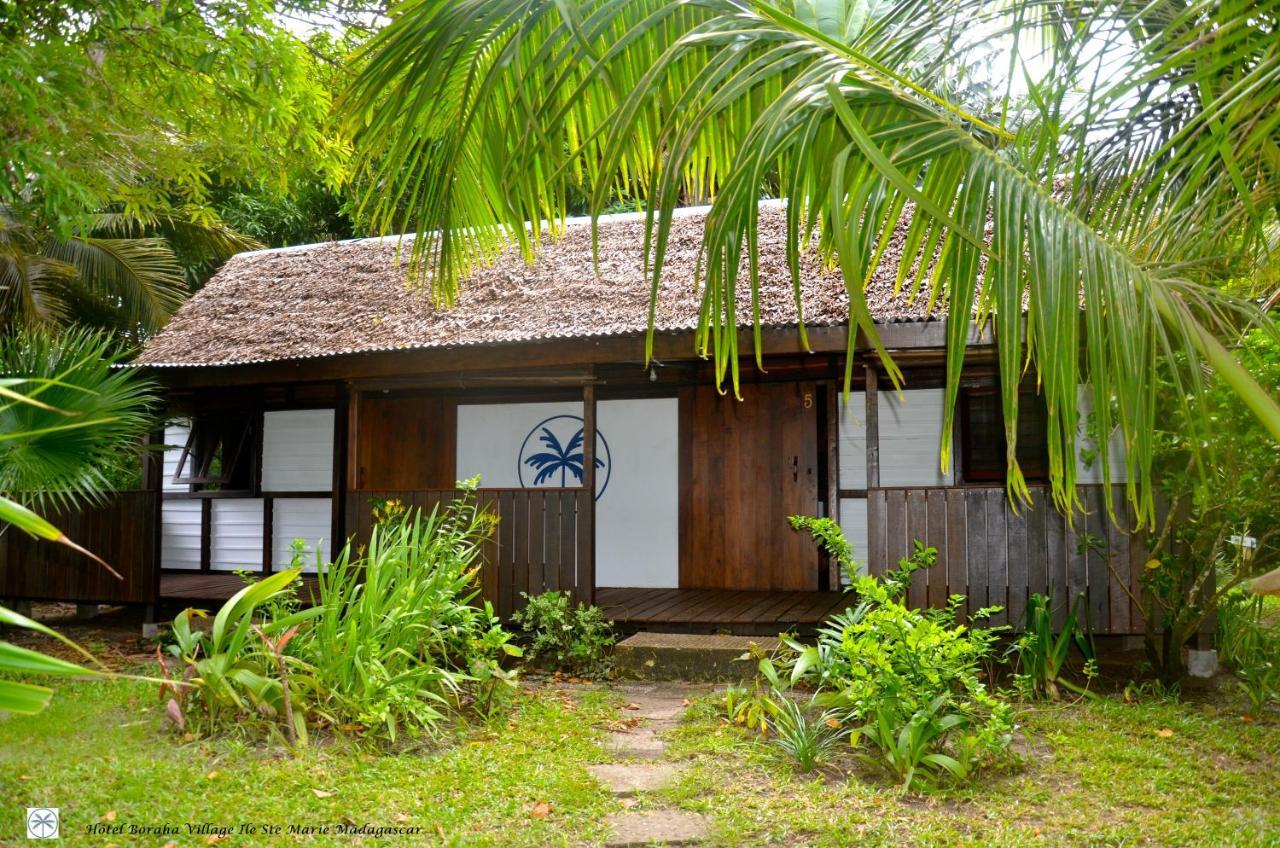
(642, 744)
(655, 827)
(626, 779)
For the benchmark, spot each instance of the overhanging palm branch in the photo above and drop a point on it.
(81, 421)
(485, 114)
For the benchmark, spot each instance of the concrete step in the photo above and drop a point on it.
(687, 656)
(626, 780)
(656, 827)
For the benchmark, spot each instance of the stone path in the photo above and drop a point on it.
(642, 769)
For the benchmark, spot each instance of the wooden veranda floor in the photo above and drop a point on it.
(717, 609)
(208, 586)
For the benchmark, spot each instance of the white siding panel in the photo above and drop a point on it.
(309, 519)
(853, 521)
(297, 450)
(175, 440)
(180, 534)
(637, 513)
(853, 440)
(1091, 472)
(911, 438)
(236, 534)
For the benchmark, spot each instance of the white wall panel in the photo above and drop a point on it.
(236, 534)
(309, 519)
(910, 438)
(297, 450)
(175, 440)
(853, 521)
(853, 440)
(1091, 472)
(180, 534)
(637, 527)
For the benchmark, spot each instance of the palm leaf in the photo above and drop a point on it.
(480, 116)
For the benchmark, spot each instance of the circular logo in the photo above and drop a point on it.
(42, 823)
(551, 455)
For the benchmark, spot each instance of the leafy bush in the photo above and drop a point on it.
(803, 734)
(907, 680)
(1249, 642)
(1040, 655)
(227, 672)
(563, 637)
(397, 640)
(394, 644)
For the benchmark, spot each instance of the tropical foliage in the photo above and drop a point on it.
(904, 684)
(393, 644)
(1039, 656)
(1099, 218)
(1222, 523)
(81, 428)
(559, 636)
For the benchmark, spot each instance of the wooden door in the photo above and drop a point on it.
(746, 465)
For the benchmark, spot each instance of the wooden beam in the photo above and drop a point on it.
(873, 427)
(832, 432)
(589, 483)
(906, 340)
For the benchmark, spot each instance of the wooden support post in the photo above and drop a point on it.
(872, 395)
(587, 574)
(832, 433)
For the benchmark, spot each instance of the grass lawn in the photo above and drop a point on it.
(1154, 773)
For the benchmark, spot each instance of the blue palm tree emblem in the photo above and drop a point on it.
(567, 460)
(554, 460)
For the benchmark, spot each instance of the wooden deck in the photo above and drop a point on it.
(717, 609)
(208, 585)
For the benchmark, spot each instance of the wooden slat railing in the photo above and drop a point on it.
(994, 556)
(121, 531)
(542, 541)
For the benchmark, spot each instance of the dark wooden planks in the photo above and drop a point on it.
(717, 607)
(121, 531)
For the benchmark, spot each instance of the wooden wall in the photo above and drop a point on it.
(122, 532)
(402, 441)
(542, 543)
(995, 556)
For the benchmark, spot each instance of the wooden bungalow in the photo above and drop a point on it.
(305, 384)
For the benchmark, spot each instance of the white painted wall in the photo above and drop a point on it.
(180, 534)
(236, 534)
(1092, 472)
(637, 524)
(175, 440)
(297, 450)
(310, 519)
(853, 521)
(910, 438)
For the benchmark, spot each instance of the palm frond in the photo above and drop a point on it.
(481, 117)
(88, 423)
(141, 275)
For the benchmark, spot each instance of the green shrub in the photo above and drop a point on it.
(394, 644)
(1040, 656)
(563, 637)
(1249, 644)
(398, 641)
(907, 680)
(803, 733)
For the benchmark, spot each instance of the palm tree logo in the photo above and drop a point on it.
(562, 458)
(42, 823)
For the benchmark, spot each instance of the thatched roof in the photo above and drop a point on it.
(350, 297)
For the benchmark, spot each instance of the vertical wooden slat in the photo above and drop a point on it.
(506, 553)
(1118, 574)
(519, 547)
(1037, 543)
(1099, 600)
(997, 510)
(872, 396)
(1016, 559)
(917, 530)
(587, 582)
(1138, 555)
(957, 544)
(585, 505)
(877, 538)
(895, 527)
(976, 520)
(1058, 561)
(833, 473)
(551, 541)
(936, 537)
(1076, 561)
(568, 507)
(537, 554)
